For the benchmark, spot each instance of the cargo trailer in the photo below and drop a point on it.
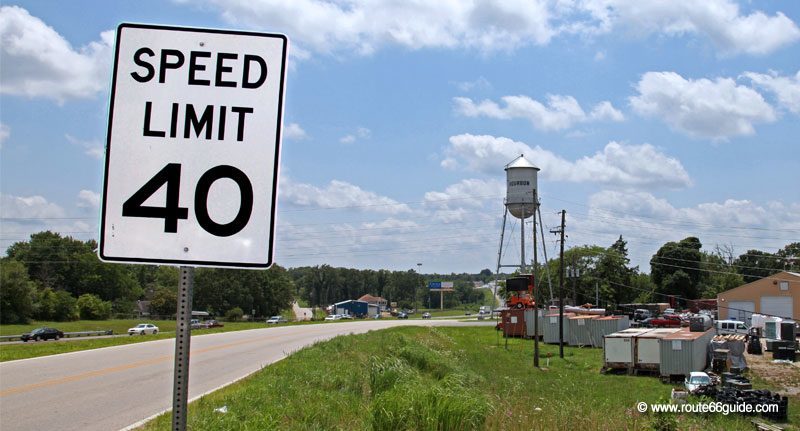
(602, 326)
(618, 348)
(684, 351)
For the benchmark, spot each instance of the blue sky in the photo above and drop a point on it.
(651, 120)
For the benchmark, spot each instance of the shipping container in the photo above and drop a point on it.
(550, 334)
(529, 322)
(618, 348)
(602, 326)
(684, 351)
(648, 348)
(578, 329)
(513, 322)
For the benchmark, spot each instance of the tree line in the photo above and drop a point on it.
(679, 269)
(54, 277)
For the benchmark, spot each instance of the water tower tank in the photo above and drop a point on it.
(520, 184)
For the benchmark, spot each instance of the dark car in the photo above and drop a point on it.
(42, 334)
(214, 324)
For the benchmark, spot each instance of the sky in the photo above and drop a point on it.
(651, 120)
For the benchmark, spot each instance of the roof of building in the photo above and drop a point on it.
(779, 276)
(369, 298)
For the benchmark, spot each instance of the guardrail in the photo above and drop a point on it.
(4, 338)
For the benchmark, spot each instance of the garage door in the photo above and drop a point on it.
(781, 306)
(741, 310)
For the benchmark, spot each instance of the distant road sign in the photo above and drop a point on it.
(193, 145)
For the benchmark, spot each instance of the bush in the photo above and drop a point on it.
(234, 314)
(91, 307)
(64, 307)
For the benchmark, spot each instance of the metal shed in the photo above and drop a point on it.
(529, 322)
(602, 326)
(551, 328)
(648, 348)
(618, 348)
(578, 328)
(684, 351)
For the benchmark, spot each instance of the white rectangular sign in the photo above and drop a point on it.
(193, 145)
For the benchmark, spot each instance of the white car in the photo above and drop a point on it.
(696, 380)
(143, 328)
(276, 319)
(333, 317)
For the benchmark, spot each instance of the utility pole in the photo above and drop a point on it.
(535, 282)
(561, 286)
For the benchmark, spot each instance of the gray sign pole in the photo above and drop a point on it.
(180, 387)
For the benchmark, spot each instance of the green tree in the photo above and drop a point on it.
(91, 307)
(164, 302)
(676, 268)
(756, 264)
(234, 314)
(16, 294)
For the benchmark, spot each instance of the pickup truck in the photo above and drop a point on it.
(665, 321)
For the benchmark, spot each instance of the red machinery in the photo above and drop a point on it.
(522, 287)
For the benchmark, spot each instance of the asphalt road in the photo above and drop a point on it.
(115, 387)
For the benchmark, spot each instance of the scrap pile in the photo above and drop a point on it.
(756, 397)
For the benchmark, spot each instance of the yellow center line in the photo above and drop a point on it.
(132, 365)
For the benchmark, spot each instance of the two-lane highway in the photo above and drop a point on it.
(112, 388)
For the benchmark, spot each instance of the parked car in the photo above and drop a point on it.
(213, 324)
(346, 316)
(669, 311)
(731, 327)
(641, 314)
(665, 321)
(333, 317)
(402, 315)
(195, 324)
(277, 319)
(426, 315)
(143, 328)
(696, 380)
(42, 334)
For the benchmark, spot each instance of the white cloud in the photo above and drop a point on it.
(93, 149)
(39, 62)
(360, 134)
(704, 108)
(785, 88)
(364, 26)
(338, 194)
(720, 20)
(294, 132)
(561, 112)
(5, 132)
(617, 164)
(29, 207)
(88, 199)
(479, 84)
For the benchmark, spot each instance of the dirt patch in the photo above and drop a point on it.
(784, 377)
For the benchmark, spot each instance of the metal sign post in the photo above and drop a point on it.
(183, 332)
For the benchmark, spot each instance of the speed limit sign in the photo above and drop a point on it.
(192, 152)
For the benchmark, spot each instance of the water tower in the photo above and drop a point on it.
(521, 202)
(520, 187)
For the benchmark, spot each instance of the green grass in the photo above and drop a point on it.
(440, 379)
(11, 352)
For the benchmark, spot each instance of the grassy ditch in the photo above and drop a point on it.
(440, 379)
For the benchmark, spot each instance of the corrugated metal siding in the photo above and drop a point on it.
(579, 331)
(551, 328)
(529, 322)
(682, 356)
(599, 328)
